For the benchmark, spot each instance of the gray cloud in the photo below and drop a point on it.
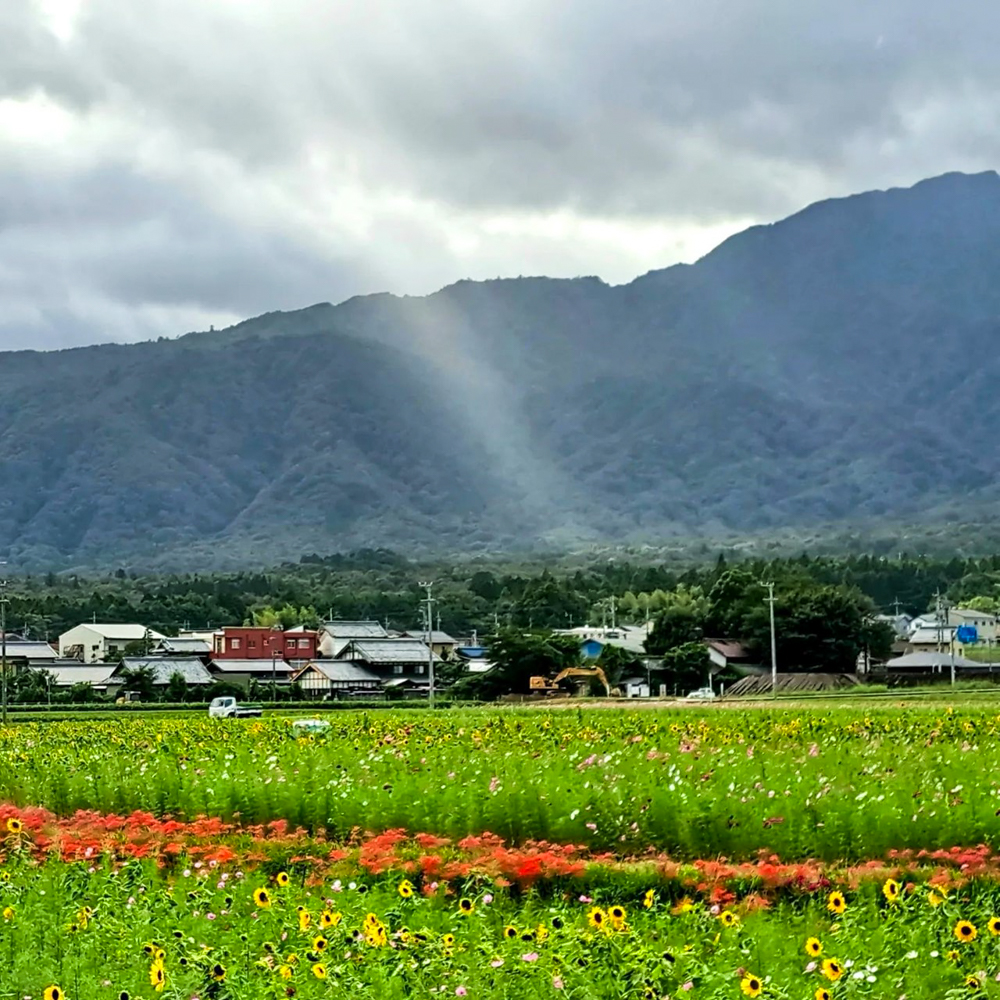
(183, 162)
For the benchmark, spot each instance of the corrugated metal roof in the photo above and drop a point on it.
(68, 674)
(256, 666)
(355, 630)
(31, 651)
(389, 651)
(128, 633)
(164, 667)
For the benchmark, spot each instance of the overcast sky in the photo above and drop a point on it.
(170, 164)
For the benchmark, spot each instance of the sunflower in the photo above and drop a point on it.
(157, 976)
(965, 931)
(953, 955)
(617, 915)
(836, 903)
(649, 899)
(814, 948)
(16, 826)
(891, 890)
(305, 919)
(218, 972)
(973, 983)
(448, 940)
(832, 969)
(728, 918)
(285, 971)
(8, 913)
(319, 970)
(823, 994)
(51, 992)
(319, 944)
(541, 933)
(159, 955)
(329, 919)
(682, 906)
(124, 995)
(510, 932)
(596, 917)
(751, 985)
(466, 905)
(405, 888)
(282, 879)
(937, 896)
(994, 926)
(261, 898)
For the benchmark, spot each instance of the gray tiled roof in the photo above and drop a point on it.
(355, 630)
(164, 667)
(23, 650)
(388, 651)
(256, 666)
(342, 671)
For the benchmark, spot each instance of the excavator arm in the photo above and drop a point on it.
(584, 672)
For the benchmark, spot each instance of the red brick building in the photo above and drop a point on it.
(252, 643)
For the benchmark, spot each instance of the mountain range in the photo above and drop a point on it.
(835, 370)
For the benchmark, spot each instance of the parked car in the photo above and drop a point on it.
(227, 708)
(702, 694)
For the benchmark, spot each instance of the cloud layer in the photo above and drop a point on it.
(176, 163)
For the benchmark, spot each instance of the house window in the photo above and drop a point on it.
(251, 643)
(303, 643)
(420, 668)
(397, 668)
(234, 643)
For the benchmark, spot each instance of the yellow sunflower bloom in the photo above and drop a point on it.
(282, 879)
(597, 917)
(52, 992)
(836, 903)
(891, 890)
(832, 969)
(329, 919)
(319, 944)
(649, 899)
(813, 947)
(993, 924)
(262, 898)
(823, 994)
(466, 906)
(751, 985)
(319, 970)
(405, 888)
(16, 826)
(965, 931)
(728, 919)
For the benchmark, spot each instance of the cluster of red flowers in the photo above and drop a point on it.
(433, 861)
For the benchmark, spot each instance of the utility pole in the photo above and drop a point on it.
(429, 602)
(3, 642)
(774, 642)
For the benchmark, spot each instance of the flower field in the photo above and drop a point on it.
(820, 854)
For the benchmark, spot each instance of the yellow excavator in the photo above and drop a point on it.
(542, 685)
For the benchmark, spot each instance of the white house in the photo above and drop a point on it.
(95, 643)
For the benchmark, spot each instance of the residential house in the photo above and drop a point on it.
(335, 635)
(336, 679)
(99, 643)
(65, 674)
(900, 624)
(732, 656)
(474, 657)
(243, 671)
(391, 659)
(593, 639)
(163, 668)
(24, 653)
(442, 643)
(183, 646)
(255, 643)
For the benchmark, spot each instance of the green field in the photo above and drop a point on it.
(535, 817)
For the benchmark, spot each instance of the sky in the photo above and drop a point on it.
(170, 165)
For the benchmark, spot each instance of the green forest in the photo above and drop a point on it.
(485, 596)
